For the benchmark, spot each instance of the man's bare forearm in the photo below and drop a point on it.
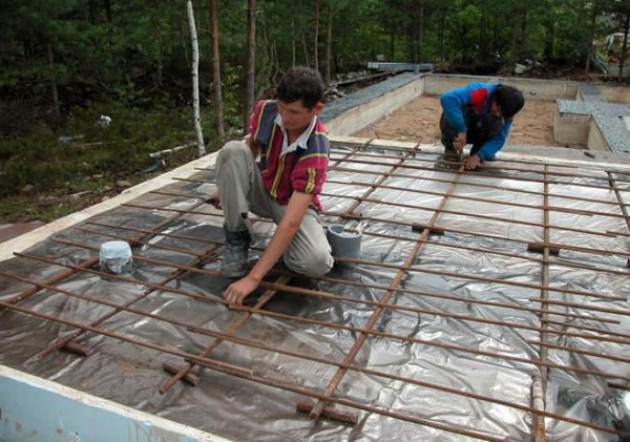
(286, 230)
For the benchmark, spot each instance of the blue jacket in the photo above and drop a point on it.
(478, 95)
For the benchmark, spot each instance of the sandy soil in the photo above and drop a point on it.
(418, 121)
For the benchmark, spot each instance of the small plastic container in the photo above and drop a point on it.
(115, 257)
(625, 406)
(344, 244)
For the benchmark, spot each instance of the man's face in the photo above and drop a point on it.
(295, 116)
(495, 109)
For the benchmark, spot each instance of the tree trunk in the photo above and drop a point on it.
(316, 26)
(91, 11)
(624, 46)
(421, 31)
(483, 24)
(250, 69)
(522, 36)
(441, 33)
(201, 149)
(550, 29)
(216, 70)
(293, 45)
(55, 94)
(495, 35)
(329, 35)
(392, 45)
(108, 11)
(160, 66)
(304, 46)
(272, 54)
(513, 51)
(591, 37)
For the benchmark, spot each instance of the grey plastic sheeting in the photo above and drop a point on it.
(243, 410)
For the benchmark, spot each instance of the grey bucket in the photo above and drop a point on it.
(344, 244)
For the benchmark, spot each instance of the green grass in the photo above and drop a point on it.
(68, 177)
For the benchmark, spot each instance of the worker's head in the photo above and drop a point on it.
(507, 101)
(300, 97)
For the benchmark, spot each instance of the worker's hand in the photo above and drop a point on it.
(238, 291)
(472, 162)
(460, 141)
(215, 200)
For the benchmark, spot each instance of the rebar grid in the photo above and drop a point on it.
(348, 215)
(327, 391)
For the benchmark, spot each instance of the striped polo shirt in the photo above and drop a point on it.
(301, 167)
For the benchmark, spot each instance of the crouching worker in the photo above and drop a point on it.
(479, 114)
(277, 172)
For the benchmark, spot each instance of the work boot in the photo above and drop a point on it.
(234, 264)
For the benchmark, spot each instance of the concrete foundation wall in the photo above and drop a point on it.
(436, 84)
(363, 115)
(616, 94)
(35, 410)
(613, 70)
(571, 129)
(596, 139)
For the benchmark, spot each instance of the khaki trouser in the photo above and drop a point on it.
(241, 190)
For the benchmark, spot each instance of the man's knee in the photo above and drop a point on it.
(314, 265)
(232, 150)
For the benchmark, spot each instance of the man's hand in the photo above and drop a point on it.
(472, 162)
(215, 200)
(460, 141)
(286, 230)
(238, 291)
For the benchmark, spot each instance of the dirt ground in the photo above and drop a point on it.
(419, 120)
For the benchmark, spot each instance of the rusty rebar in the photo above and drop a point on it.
(480, 172)
(463, 232)
(336, 297)
(503, 167)
(474, 184)
(410, 291)
(454, 274)
(231, 368)
(467, 214)
(478, 199)
(220, 336)
(266, 297)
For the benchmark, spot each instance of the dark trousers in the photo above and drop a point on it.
(481, 128)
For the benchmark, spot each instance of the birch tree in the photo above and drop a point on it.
(201, 149)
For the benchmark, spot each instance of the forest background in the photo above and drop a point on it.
(90, 88)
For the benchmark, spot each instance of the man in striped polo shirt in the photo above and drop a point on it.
(277, 172)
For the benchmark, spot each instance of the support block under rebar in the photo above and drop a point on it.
(435, 230)
(77, 349)
(173, 369)
(329, 412)
(539, 247)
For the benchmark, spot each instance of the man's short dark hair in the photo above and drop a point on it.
(301, 83)
(510, 100)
